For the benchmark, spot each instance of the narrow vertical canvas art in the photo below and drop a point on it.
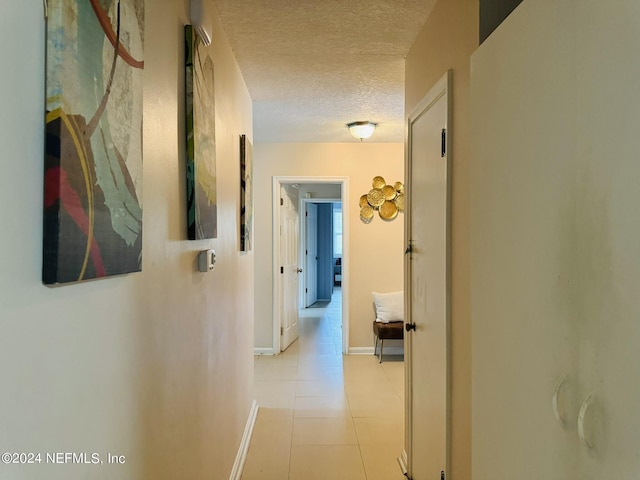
(201, 140)
(93, 143)
(246, 193)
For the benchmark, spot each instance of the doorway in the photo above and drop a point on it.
(310, 191)
(321, 249)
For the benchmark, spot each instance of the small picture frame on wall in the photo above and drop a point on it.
(246, 193)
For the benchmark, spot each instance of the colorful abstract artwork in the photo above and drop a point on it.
(246, 193)
(93, 142)
(201, 139)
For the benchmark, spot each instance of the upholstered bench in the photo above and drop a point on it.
(386, 331)
(389, 318)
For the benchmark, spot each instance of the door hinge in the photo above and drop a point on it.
(281, 330)
(306, 214)
(281, 269)
(281, 201)
(444, 142)
(306, 290)
(442, 475)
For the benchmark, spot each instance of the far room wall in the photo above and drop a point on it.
(375, 250)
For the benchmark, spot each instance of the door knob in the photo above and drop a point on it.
(409, 326)
(299, 270)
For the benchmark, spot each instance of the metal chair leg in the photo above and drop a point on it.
(381, 345)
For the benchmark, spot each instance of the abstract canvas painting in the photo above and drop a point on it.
(246, 193)
(93, 142)
(201, 140)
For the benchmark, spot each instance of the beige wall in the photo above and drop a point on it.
(523, 232)
(446, 42)
(156, 366)
(555, 257)
(375, 250)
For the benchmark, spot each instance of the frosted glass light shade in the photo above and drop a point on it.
(361, 130)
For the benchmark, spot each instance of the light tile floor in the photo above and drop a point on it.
(324, 415)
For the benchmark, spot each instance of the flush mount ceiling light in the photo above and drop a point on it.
(361, 130)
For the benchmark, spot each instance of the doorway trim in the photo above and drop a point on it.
(277, 182)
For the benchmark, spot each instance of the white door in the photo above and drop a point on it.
(289, 270)
(427, 287)
(311, 254)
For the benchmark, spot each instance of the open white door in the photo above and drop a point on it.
(289, 270)
(427, 286)
(311, 254)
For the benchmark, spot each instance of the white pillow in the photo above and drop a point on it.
(389, 306)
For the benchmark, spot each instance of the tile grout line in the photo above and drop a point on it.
(318, 367)
(293, 421)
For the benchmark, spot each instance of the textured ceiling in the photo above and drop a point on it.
(312, 66)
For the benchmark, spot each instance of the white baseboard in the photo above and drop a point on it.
(360, 350)
(264, 351)
(388, 350)
(241, 457)
(369, 350)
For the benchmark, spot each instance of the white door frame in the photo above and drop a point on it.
(303, 239)
(442, 88)
(277, 182)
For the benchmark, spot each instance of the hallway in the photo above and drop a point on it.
(324, 415)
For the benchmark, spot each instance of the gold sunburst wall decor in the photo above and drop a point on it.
(387, 200)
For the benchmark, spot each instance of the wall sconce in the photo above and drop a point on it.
(361, 130)
(385, 199)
